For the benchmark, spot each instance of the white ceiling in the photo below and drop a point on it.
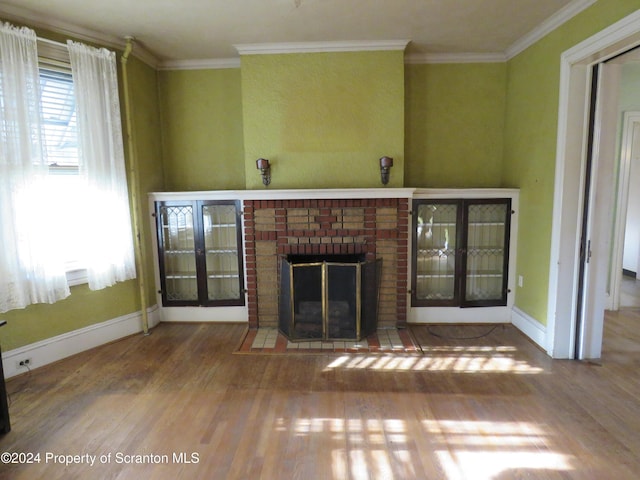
(187, 30)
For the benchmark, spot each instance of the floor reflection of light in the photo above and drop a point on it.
(379, 448)
(381, 464)
(489, 465)
(439, 359)
(483, 450)
(358, 461)
(339, 464)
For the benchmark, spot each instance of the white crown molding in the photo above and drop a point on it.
(421, 58)
(200, 64)
(36, 20)
(318, 47)
(550, 24)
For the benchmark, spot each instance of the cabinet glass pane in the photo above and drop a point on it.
(436, 251)
(179, 252)
(486, 251)
(221, 247)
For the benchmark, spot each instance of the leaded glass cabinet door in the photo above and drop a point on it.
(199, 245)
(176, 224)
(436, 231)
(222, 254)
(486, 258)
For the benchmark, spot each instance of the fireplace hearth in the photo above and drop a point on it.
(330, 297)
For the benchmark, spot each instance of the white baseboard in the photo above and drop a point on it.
(459, 315)
(204, 314)
(61, 346)
(530, 327)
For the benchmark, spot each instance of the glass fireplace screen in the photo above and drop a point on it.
(328, 300)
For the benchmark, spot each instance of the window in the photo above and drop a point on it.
(64, 188)
(62, 198)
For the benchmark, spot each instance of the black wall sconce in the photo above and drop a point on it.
(262, 164)
(385, 165)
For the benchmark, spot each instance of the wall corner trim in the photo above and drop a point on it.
(531, 327)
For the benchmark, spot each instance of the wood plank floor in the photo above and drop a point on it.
(492, 407)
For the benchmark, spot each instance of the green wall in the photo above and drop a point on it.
(323, 119)
(530, 142)
(202, 129)
(455, 125)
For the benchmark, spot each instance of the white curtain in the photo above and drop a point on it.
(108, 252)
(29, 269)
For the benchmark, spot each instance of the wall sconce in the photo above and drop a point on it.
(262, 164)
(385, 165)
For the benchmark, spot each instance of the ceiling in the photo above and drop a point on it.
(181, 30)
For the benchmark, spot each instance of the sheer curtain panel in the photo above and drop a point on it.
(30, 269)
(108, 253)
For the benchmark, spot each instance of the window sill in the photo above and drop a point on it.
(77, 277)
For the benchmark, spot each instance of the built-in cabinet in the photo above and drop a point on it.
(461, 252)
(200, 252)
(462, 249)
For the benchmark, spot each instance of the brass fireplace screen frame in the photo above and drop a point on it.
(328, 300)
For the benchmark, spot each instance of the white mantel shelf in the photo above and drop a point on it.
(294, 194)
(330, 193)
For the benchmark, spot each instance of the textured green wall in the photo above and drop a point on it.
(530, 143)
(455, 125)
(323, 119)
(202, 129)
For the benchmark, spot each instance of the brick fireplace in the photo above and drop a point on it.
(376, 228)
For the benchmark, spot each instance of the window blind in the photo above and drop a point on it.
(57, 103)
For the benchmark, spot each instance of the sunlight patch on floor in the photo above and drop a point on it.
(483, 465)
(486, 450)
(483, 450)
(441, 359)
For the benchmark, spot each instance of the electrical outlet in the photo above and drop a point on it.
(25, 362)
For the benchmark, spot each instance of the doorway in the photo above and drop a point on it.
(567, 337)
(625, 258)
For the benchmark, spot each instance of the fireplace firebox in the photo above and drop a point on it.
(328, 297)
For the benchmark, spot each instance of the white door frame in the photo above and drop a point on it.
(575, 79)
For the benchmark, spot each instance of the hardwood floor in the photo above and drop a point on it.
(493, 407)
